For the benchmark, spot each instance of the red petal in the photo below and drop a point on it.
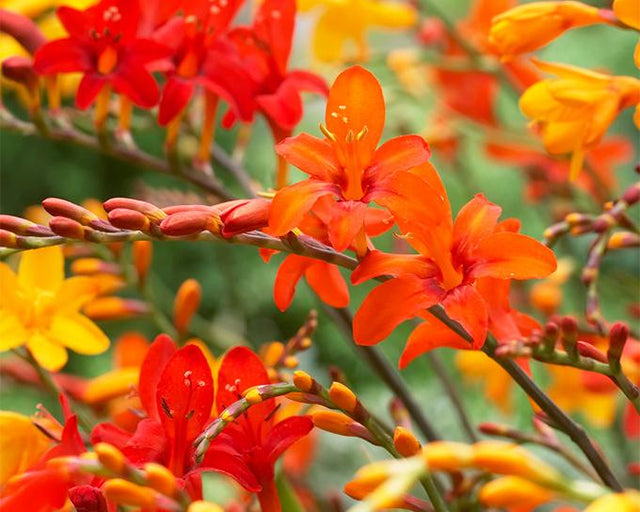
(277, 29)
(147, 444)
(284, 107)
(390, 304)
(89, 87)
(62, 56)
(185, 393)
(284, 434)
(175, 97)
(36, 491)
(78, 24)
(347, 220)
(430, 334)
(241, 369)
(144, 51)
(159, 353)
(311, 155)
(327, 281)
(474, 222)
(509, 255)
(291, 270)
(467, 307)
(357, 97)
(631, 422)
(232, 466)
(291, 203)
(308, 82)
(135, 82)
(378, 263)
(398, 154)
(111, 434)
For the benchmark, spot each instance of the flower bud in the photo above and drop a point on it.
(21, 226)
(304, 382)
(91, 266)
(273, 353)
(343, 397)
(160, 479)
(513, 492)
(405, 442)
(20, 70)
(129, 219)
(62, 208)
(149, 210)
(87, 498)
(588, 350)
(623, 240)
(123, 492)
(115, 308)
(248, 216)
(447, 455)
(111, 458)
(23, 30)
(190, 223)
(186, 304)
(67, 228)
(204, 506)
(628, 501)
(142, 254)
(111, 385)
(617, 340)
(341, 424)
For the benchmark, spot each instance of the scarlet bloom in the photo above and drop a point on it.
(345, 166)
(265, 48)
(103, 45)
(452, 257)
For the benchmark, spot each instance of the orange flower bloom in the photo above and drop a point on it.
(572, 112)
(526, 28)
(345, 166)
(452, 257)
(628, 12)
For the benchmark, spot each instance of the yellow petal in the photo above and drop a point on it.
(628, 12)
(8, 286)
(392, 14)
(78, 333)
(76, 292)
(334, 28)
(628, 501)
(49, 354)
(12, 332)
(600, 409)
(42, 269)
(21, 444)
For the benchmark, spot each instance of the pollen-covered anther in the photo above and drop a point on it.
(325, 131)
(362, 133)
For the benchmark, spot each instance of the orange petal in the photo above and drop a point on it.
(327, 281)
(428, 335)
(130, 350)
(291, 270)
(311, 155)
(355, 102)
(398, 154)
(377, 221)
(512, 256)
(347, 220)
(467, 307)
(474, 222)
(378, 263)
(390, 304)
(291, 203)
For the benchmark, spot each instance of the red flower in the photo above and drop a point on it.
(346, 166)
(254, 440)
(265, 49)
(452, 257)
(202, 56)
(103, 45)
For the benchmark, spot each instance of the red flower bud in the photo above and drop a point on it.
(22, 29)
(588, 350)
(190, 223)
(253, 214)
(21, 226)
(151, 211)
(66, 227)
(129, 219)
(20, 69)
(63, 208)
(617, 340)
(87, 498)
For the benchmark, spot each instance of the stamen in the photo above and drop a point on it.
(362, 133)
(327, 133)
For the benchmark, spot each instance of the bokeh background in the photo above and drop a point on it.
(237, 285)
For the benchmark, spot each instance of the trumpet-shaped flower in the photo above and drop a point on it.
(344, 21)
(40, 309)
(345, 166)
(104, 47)
(574, 110)
(527, 27)
(453, 257)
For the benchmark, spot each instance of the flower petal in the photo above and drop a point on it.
(467, 307)
(284, 107)
(229, 464)
(284, 434)
(398, 154)
(75, 292)
(378, 263)
(308, 82)
(513, 256)
(8, 286)
(78, 333)
(159, 353)
(12, 332)
(289, 273)
(134, 81)
(390, 304)
(41, 269)
(475, 221)
(311, 155)
(175, 96)
(326, 280)
(347, 220)
(22, 444)
(88, 89)
(62, 56)
(291, 203)
(49, 354)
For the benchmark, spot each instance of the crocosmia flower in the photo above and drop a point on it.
(574, 110)
(347, 165)
(453, 255)
(41, 310)
(104, 47)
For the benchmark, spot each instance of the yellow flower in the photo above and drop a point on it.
(527, 27)
(628, 12)
(348, 20)
(573, 111)
(628, 501)
(21, 444)
(40, 309)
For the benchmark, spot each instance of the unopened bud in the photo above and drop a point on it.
(151, 211)
(91, 266)
(87, 498)
(204, 506)
(23, 30)
(160, 479)
(142, 254)
(63, 208)
(115, 308)
(632, 194)
(343, 397)
(186, 304)
(570, 336)
(405, 442)
(21, 226)
(190, 223)
(304, 382)
(341, 424)
(20, 70)
(249, 216)
(129, 219)
(588, 350)
(623, 240)
(617, 340)
(67, 228)
(123, 492)
(111, 458)
(512, 491)
(447, 455)
(253, 396)
(273, 352)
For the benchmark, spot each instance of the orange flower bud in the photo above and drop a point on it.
(142, 253)
(405, 442)
(129, 219)
(110, 385)
(204, 506)
(111, 458)
(149, 210)
(303, 381)
(512, 459)
(125, 493)
(190, 223)
(341, 424)
(343, 397)
(67, 227)
(248, 216)
(546, 297)
(512, 492)
(186, 304)
(623, 240)
(20, 70)
(291, 362)
(8, 239)
(628, 501)
(273, 352)
(447, 455)
(628, 12)
(252, 395)
(114, 308)
(160, 479)
(63, 208)
(527, 27)
(23, 30)
(90, 266)
(21, 226)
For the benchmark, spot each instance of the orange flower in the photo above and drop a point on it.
(628, 12)
(452, 257)
(572, 112)
(526, 28)
(345, 166)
